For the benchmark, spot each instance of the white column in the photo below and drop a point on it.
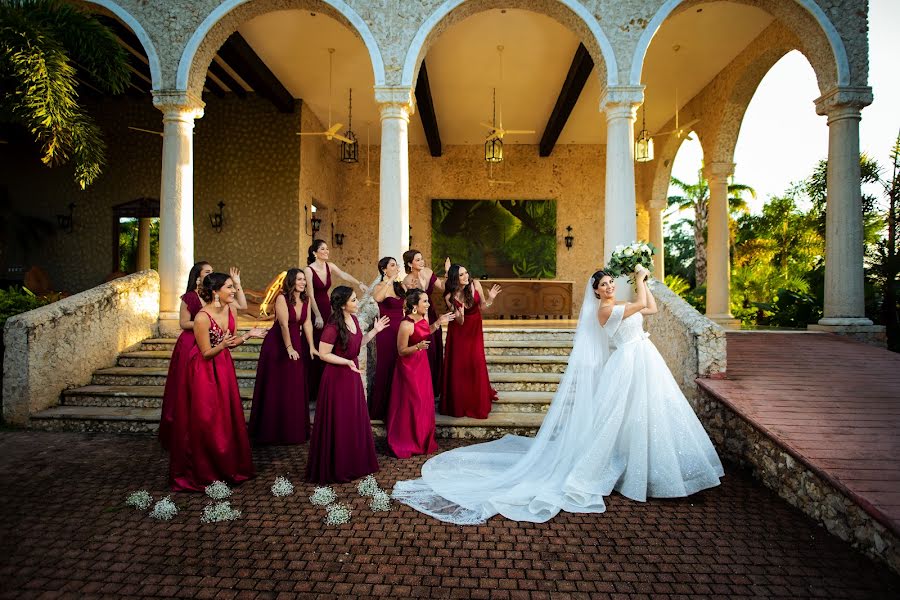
(718, 260)
(656, 238)
(176, 207)
(396, 105)
(143, 245)
(844, 297)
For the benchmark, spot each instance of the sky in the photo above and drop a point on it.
(782, 138)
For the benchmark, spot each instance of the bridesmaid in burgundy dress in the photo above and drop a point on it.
(410, 422)
(341, 448)
(318, 274)
(421, 277)
(466, 388)
(280, 413)
(389, 295)
(209, 441)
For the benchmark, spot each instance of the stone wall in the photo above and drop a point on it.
(58, 346)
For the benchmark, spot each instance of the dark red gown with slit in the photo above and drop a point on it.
(466, 389)
(385, 357)
(176, 384)
(323, 301)
(436, 349)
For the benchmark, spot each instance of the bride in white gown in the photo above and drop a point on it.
(617, 422)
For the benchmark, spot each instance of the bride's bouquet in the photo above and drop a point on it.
(625, 259)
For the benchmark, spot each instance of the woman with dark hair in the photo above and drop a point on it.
(421, 277)
(389, 294)
(280, 412)
(209, 441)
(175, 383)
(318, 277)
(410, 420)
(465, 386)
(341, 448)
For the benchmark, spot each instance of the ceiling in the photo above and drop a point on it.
(463, 68)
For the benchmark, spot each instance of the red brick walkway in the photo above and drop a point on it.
(833, 403)
(65, 534)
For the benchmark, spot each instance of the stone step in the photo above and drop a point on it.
(155, 344)
(526, 364)
(153, 359)
(525, 382)
(528, 347)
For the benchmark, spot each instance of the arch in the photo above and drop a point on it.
(841, 63)
(420, 43)
(335, 8)
(141, 33)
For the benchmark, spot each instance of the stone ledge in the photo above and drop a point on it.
(874, 335)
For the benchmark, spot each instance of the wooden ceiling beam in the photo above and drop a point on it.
(250, 67)
(225, 77)
(581, 67)
(425, 106)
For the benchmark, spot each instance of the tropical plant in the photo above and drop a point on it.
(677, 284)
(47, 48)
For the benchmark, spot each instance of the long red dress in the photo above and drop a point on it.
(341, 448)
(436, 349)
(176, 385)
(323, 301)
(209, 442)
(466, 388)
(385, 358)
(410, 421)
(280, 412)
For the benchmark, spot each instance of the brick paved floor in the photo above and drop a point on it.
(65, 533)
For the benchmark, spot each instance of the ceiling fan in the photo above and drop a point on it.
(159, 133)
(331, 133)
(682, 130)
(496, 128)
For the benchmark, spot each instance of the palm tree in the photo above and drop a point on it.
(46, 48)
(695, 196)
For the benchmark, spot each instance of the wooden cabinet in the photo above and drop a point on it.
(525, 299)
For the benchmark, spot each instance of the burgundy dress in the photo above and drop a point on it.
(410, 421)
(341, 448)
(386, 357)
(209, 442)
(176, 385)
(466, 388)
(436, 349)
(280, 413)
(323, 301)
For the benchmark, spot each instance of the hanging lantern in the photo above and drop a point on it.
(643, 146)
(493, 150)
(350, 149)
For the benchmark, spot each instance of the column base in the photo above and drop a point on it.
(169, 325)
(725, 321)
(874, 335)
(845, 321)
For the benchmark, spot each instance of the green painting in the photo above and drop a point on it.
(502, 239)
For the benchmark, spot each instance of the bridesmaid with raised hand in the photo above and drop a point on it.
(421, 277)
(318, 275)
(341, 448)
(280, 412)
(175, 379)
(410, 421)
(466, 388)
(389, 295)
(210, 438)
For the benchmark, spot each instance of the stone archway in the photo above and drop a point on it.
(141, 33)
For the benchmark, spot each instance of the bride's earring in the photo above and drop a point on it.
(415, 310)
(216, 302)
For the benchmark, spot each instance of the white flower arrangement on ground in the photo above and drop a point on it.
(282, 487)
(323, 496)
(381, 502)
(220, 511)
(368, 486)
(140, 499)
(218, 490)
(164, 510)
(337, 514)
(625, 259)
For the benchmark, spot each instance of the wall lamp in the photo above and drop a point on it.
(65, 222)
(339, 239)
(217, 219)
(315, 223)
(569, 239)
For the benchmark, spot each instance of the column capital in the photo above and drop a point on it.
(843, 101)
(622, 101)
(392, 98)
(178, 101)
(719, 171)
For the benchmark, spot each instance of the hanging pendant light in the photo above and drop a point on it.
(493, 147)
(350, 149)
(643, 146)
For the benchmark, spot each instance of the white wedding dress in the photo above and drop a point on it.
(624, 426)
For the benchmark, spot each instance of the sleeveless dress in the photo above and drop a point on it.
(323, 301)
(209, 442)
(341, 448)
(466, 388)
(280, 413)
(175, 380)
(385, 357)
(436, 349)
(410, 421)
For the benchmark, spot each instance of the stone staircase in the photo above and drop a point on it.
(525, 366)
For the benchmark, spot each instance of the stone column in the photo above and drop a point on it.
(143, 243)
(176, 206)
(718, 259)
(844, 300)
(656, 238)
(396, 105)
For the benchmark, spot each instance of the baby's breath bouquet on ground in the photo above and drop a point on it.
(221, 511)
(337, 514)
(625, 259)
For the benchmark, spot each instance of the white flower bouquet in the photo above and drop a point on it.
(140, 499)
(625, 259)
(282, 487)
(368, 486)
(381, 502)
(337, 514)
(164, 510)
(322, 496)
(218, 490)
(221, 511)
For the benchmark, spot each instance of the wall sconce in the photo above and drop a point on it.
(316, 224)
(569, 239)
(217, 219)
(339, 239)
(65, 222)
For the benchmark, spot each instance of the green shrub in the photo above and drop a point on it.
(17, 300)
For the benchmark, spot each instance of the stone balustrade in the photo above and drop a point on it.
(59, 346)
